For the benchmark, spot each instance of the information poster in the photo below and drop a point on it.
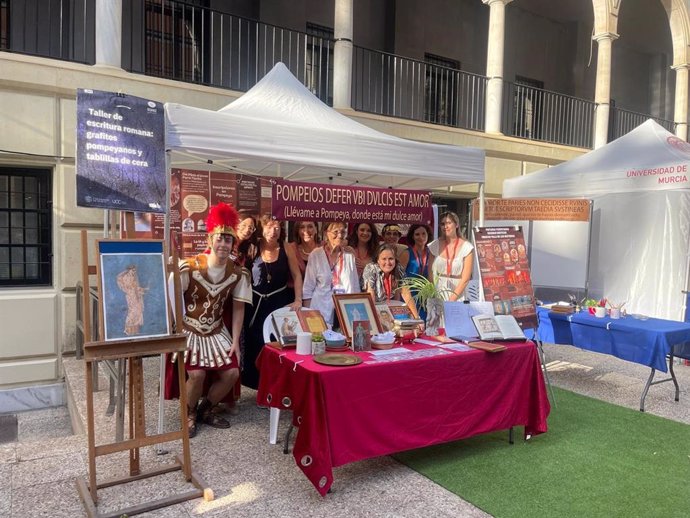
(192, 193)
(505, 274)
(120, 152)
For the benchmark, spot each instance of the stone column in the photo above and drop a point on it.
(342, 54)
(494, 65)
(109, 33)
(602, 92)
(680, 115)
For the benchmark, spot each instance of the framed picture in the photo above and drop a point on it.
(386, 318)
(361, 336)
(286, 326)
(350, 307)
(312, 320)
(134, 288)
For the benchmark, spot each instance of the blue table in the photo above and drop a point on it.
(647, 342)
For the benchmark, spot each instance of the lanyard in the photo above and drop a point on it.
(425, 256)
(449, 260)
(335, 272)
(387, 286)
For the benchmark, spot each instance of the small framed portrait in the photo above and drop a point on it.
(386, 318)
(351, 307)
(361, 336)
(133, 286)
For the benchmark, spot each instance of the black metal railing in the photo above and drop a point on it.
(395, 86)
(59, 29)
(624, 121)
(181, 41)
(537, 114)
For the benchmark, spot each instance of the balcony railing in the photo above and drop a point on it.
(391, 85)
(59, 29)
(177, 40)
(624, 121)
(537, 114)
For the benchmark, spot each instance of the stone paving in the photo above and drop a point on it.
(252, 478)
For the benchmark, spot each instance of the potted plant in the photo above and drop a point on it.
(429, 296)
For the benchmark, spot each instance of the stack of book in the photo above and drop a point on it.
(403, 318)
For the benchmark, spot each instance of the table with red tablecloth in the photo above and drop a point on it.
(346, 414)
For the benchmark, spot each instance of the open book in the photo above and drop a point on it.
(498, 327)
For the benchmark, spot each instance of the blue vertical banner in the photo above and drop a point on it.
(120, 152)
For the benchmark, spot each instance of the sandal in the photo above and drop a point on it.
(214, 420)
(191, 424)
(224, 408)
(206, 415)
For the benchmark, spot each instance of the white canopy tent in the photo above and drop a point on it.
(639, 250)
(279, 128)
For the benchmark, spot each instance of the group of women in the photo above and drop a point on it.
(307, 271)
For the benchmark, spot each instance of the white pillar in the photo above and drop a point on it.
(109, 33)
(602, 93)
(342, 54)
(494, 64)
(680, 115)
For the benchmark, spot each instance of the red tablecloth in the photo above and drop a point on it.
(345, 414)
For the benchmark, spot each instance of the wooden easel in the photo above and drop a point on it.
(134, 350)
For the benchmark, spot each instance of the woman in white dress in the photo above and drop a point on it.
(331, 269)
(452, 268)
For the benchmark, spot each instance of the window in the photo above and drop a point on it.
(172, 40)
(319, 62)
(440, 90)
(4, 24)
(25, 227)
(527, 105)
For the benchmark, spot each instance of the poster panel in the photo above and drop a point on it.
(299, 201)
(192, 193)
(120, 152)
(504, 272)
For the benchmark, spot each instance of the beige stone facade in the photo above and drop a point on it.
(38, 116)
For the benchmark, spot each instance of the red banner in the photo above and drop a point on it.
(504, 272)
(299, 201)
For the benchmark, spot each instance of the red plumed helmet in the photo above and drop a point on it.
(222, 219)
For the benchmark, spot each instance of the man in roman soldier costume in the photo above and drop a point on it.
(208, 281)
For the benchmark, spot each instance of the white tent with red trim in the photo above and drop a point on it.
(640, 240)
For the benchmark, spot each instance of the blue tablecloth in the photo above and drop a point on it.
(641, 341)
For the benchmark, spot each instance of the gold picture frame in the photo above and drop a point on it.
(311, 320)
(350, 307)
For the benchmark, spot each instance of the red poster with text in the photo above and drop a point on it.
(504, 273)
(192, 193)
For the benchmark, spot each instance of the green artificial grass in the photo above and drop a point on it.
(597, 459)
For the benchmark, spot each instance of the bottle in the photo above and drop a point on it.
(318, 344)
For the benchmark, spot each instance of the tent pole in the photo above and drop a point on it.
(167, 243)
(481, 204)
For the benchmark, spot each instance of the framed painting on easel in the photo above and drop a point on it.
(133, 287)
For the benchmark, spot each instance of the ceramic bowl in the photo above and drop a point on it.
(335, 344)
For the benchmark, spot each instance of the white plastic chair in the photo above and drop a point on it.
(274, 413)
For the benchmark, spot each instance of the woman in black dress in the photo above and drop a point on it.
(270, 272)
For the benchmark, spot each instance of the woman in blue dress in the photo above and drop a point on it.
(417, 258)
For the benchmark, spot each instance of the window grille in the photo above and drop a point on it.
(25, 227)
